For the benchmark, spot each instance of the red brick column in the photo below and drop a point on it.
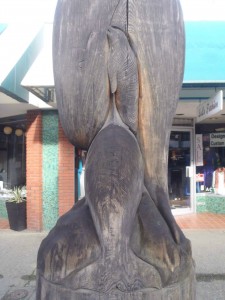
(66, 194)
(34, 169)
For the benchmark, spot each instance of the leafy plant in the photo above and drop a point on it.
(18, 194)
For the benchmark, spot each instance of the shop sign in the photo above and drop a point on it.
(210, 107)
(199, 150)
(217, 139)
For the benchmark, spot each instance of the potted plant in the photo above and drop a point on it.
(16, 208)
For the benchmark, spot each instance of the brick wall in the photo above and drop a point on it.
(66, 194)
(34, 170)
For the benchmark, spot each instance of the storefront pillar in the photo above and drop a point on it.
(34, 170)
(66, 177)
(50, 170)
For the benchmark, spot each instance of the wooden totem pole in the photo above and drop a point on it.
(118, 67)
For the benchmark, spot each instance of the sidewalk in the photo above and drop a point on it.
(208, 247)
(19, 251)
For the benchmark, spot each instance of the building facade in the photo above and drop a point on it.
(35, 152)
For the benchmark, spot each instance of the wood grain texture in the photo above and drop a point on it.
(152, 241)
(123, 77)
(71, 245)
(184, 290)
(95, 58)
(98, 47)
(80, 56)
(118, 67)
(161, 65)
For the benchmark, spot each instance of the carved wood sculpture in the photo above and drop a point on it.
(118, 67)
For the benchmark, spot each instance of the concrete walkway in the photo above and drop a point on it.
(19, 251)
(208, 247)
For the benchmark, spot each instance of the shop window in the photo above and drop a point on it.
(178, 162)
(12, 158)
(210, 173)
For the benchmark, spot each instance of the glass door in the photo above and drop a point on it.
(180, 177)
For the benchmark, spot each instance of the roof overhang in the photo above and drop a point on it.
(203, 76)
(39, 78)
(17, 56)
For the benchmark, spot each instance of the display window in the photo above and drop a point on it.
(178, 166)
(210, 169)
(12, 156)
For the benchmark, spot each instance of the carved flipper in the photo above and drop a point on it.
(70, 246)
(152, 241)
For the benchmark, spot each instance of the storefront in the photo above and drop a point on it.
(210, 171)
(196, 167)
(196, 151)
(33, 149)
(54, 174)
(203, 78)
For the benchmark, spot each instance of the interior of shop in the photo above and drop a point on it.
(210, 174)
(12, 155)
(178, 163)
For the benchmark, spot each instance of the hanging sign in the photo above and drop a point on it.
(210, 107)
(217, 139)
(199, 150)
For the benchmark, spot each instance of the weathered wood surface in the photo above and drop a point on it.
(115, 240)
(118, 67)
(99, 47)
(184, 290)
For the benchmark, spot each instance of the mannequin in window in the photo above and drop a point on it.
(219, 181)
(210, 164)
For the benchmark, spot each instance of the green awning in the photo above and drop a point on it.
(20, 44)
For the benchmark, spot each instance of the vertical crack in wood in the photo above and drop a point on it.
(127, 10)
